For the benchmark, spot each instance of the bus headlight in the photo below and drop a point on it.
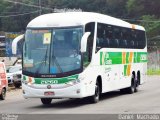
(73, 82)
(26, 82)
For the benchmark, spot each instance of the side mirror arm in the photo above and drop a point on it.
(84, 41)
(15, 42)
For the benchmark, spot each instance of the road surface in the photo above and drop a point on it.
(147, 100)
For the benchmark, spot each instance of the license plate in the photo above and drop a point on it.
(48, 93)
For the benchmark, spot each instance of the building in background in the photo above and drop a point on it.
(10, 36)
(2, 46)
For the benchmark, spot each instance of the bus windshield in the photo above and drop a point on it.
(52, 51)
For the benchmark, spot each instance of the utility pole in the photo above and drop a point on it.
(40, 8)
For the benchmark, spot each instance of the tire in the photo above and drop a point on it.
(137, 83)
(46, 101)
(96, 96)
(123, 91)
(17, 85)
(3, 94)
(132, 88)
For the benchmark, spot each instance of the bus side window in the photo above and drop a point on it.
(124, 38)
(132, 39)
(109, 36)
(104, 36)
(117, 36)
(141, 39)
(100, 37)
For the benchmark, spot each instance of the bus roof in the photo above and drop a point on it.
(76, 19)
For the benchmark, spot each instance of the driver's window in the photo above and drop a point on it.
(87, 56)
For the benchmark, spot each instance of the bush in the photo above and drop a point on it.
(153, 72)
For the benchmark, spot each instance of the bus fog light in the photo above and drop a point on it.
(78, 91)
(25, 82)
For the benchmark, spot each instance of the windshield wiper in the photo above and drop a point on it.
(56, 62)
(43, 61)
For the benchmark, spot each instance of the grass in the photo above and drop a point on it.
(153, 72)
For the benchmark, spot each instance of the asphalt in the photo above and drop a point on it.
(146, 100)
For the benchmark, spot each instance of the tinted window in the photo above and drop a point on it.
(90, 27)
(109, 36)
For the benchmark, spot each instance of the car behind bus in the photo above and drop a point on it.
(3, 81)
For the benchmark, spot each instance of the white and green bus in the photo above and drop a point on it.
(82, 54)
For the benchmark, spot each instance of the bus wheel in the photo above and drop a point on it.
(132, 88)
(46, 101)
(137, 83)
(3, 94)
(95, 97)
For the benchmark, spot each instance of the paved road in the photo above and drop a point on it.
(147, 100)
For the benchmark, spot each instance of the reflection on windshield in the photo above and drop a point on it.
(36, 50)
(13, 69)
(52, 51)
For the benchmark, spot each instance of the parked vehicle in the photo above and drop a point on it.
(17, 80)
(11, 71)
(3, 81)
(18, 62)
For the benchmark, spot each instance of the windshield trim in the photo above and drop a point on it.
(57, 75)
(51, 28)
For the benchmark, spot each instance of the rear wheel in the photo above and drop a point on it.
(95, 97)
(132, 88)
(137, 82)
(3, 94)
(46, 101)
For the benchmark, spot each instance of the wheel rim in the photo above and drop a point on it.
(97, 92)
(134, 85)
(3, 93)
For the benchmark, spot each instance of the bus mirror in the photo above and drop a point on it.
(84, 41)
(15, 42)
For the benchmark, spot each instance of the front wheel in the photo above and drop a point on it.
(46, 101)
(17, 85)
(3, 94)
(96, 96)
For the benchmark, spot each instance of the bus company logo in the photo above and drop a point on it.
(143, 57)
(104, 59)
(49, 82)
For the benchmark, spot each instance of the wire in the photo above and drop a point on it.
(41, 7)
(19, 14)
(28, 5)
(151, 21)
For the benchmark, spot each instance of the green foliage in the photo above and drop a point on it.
(147, 10)
(152, 28)
(153, 72)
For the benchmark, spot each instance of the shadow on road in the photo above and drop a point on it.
(71, 103)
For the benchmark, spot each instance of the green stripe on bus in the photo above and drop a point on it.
(125, 70)
(54, 80)
(109, 58)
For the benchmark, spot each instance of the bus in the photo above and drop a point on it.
(82, 55)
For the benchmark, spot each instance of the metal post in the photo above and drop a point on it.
(40, 8)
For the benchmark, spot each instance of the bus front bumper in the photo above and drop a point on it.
(74, 91)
